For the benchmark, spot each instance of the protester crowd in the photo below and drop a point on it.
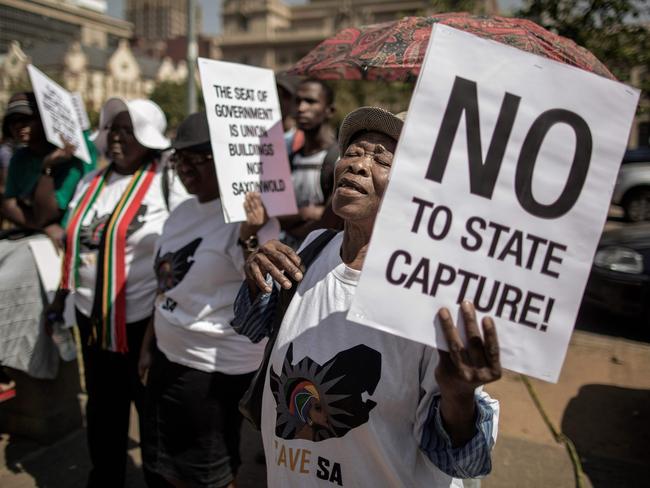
(178, 310)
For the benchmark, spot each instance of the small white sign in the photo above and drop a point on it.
(247, 137)
(58, 113)
(499, 191)
(80, 108)
(48, 265)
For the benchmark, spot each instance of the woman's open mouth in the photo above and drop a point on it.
(348, 185)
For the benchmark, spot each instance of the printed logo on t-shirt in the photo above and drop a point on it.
(173, 266)
(90, 236)
(317, 402)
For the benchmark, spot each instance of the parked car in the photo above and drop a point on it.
(632, 190)
(620, 275)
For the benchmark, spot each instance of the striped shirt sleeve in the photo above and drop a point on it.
(471, 460)
(253, 319)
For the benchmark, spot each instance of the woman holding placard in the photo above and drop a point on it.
(115, 219)
(371, 408)
(201, 366)
(42, 178)
(41, 181)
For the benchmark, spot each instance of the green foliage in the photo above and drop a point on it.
(456, 5)
(392, 96)
(440, 6)
(93, 117)
(611, 29)
(20, 85)
(172, 99)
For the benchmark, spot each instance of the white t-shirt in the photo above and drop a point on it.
(200, 268)
(140, 243)
(345, 404)
(306, 178)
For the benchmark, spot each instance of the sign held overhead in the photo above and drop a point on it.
(247, 137)
(58, 113)
(499, 191)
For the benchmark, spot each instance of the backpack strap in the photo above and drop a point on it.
(165, 184)
(250, 404)
(307, 256)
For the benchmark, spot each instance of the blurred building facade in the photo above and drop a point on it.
(274, 34)
(96, 73)
(80, 47)
(156, 23)
(32, 22)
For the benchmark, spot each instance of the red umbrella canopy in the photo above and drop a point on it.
(394, 51)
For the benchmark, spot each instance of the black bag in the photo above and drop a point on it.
(250, 404)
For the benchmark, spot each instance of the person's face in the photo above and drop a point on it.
(318, 415)
(361, 177)
(197, 173)
(20, 127)
(123, 148)
(312, 109)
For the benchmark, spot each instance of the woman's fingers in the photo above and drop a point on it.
(255, 200)
(478, 362)
(277, 260)
(292, 256)
(454, 344)
(271, 268)
(491, 345)
(254, 208)
(284, 263)
(254, 273)
(475, 350)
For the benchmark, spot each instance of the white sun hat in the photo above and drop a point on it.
(149, 122)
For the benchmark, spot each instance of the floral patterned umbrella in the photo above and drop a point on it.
(394, 51)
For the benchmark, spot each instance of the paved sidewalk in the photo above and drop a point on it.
(602, 402)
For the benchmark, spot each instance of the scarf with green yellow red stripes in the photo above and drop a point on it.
(109, 307)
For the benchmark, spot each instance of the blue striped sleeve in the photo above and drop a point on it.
(254, 319)
(469, 461)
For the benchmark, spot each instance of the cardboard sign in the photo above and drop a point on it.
(58, 113)
(499, 190)
(80, 108)
(247, 137)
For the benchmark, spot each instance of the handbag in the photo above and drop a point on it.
(250, 404)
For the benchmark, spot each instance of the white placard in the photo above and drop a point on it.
(499, 191)
(247, 137)
(80, 108)
(58, 113)
(48, 264)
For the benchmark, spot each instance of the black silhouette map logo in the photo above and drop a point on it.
(172, 267)
(90, 236)
(317, 402)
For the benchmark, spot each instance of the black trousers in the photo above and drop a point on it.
(192, 423)
(112, 383)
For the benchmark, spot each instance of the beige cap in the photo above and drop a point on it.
(367, 119)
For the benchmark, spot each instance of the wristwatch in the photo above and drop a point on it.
(251, 244)
(47, 171)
